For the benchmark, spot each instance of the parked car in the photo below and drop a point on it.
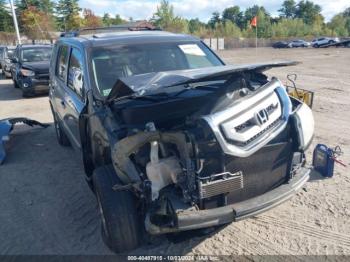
(6, 68)
(299, 43)
(2, 55)
(171, 138)
(280, 44)
(324, 41)
(30, 68)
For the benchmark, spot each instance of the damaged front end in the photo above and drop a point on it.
(225, 147)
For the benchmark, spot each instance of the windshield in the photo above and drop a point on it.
(9, 53)
(36, 54)
(111, 63)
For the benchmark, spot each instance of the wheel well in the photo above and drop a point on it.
(95, 152)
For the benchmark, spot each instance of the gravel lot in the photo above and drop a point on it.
(47, 208)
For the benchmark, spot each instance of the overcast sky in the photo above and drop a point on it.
(197, 8)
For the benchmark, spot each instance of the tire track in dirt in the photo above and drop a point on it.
(83, 220)
(308, 230)
(265, 246)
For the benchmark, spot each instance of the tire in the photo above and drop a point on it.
(331, 42)
(60, 134)
(316, 45)
(121, 227)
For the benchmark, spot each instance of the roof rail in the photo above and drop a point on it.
(109, 29)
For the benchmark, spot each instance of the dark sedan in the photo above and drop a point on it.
(280, 44)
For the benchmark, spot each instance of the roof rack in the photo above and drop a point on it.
(109, 29)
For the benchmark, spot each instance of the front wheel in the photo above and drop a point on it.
(121, 226)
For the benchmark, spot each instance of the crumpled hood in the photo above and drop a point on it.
(41, 67)
(147, 83)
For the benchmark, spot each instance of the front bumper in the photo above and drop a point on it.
(195, 219)
(33, 85)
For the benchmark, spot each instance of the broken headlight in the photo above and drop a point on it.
(304, 123)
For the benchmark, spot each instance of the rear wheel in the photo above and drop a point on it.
(60, 134)
(121, 227)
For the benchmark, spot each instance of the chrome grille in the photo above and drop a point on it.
(250, 124)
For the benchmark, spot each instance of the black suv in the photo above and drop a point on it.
(30, 68)
(171, 138)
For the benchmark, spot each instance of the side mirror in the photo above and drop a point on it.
(14, 60)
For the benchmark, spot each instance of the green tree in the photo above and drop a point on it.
(234, 15)
(117, 20)
(68, 14)
(214, 20)
(166, 19)
(308, 11)
(338, 25)
(46, 6)
(255, 11)
(106, 19)
(288, 9)
(290, 28)
(6, 23)
(346, 14)
(194, 25)
(36, 23)
(164, 15)
(90, 19)
(230, 29)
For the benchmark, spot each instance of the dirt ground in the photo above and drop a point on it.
(47, 208)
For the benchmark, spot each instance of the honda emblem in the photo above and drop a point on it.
(262, 117)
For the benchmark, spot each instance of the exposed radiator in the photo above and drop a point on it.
(220, 184)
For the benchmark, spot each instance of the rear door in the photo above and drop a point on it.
(70, 94)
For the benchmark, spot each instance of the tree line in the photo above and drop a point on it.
(296, 19)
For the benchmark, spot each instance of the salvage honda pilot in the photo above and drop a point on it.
(172, 139)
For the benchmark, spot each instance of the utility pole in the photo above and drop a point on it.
(15, 22)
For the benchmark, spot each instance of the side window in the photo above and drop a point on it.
(75, 72)
(61, 67)
(16, 53)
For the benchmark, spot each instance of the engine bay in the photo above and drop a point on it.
(205, 146)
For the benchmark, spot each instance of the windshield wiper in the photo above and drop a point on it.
(200, 86)
(152, 97)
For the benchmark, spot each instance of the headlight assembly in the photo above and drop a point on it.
(305, 125)
(26, 72)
